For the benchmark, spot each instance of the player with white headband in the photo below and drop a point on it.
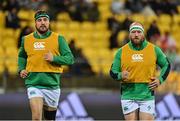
(134, 66)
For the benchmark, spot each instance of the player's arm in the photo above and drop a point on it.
(115, 71)
(22, 60)
(66, 57)
(22, 57)
(163, 63)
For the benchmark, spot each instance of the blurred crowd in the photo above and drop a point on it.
(78, 10)
(87, 10)
(147, 7)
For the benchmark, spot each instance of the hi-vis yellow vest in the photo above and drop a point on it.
(36, 49)
(141, 65)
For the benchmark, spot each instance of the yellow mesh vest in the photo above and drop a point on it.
(141, 65)
(36, 48)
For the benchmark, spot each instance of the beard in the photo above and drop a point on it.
(137, 41)
(42, 29)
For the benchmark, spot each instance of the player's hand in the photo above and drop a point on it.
(154, 83)
(125, 75)
(48, 56)
(23, 74)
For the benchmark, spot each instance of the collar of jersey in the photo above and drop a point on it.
(45, 35)
(143, 45)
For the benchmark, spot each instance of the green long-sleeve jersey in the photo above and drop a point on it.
(139, 91)
(46, 80)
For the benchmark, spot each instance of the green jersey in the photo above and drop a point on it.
(47, 80)
(139, 91)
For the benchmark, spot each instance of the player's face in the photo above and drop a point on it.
(42, 25)
(136, 36)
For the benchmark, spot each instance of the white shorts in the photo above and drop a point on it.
(129, 106)
(50, 97)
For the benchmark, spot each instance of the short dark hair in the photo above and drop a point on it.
(41, 13)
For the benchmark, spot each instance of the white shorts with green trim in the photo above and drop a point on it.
(50, 97)
(129, 106)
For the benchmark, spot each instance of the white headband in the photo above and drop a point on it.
(136, 27)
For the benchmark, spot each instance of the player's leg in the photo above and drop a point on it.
(36, 104)
(130, 109)
(147, 110)
(132, 116)
(49, 113)
(51, 100)
(146, 116)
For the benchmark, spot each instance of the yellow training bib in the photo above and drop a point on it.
(36, 49)
(141, 65)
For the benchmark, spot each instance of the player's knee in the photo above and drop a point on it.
(50, 115)
(36, 116)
